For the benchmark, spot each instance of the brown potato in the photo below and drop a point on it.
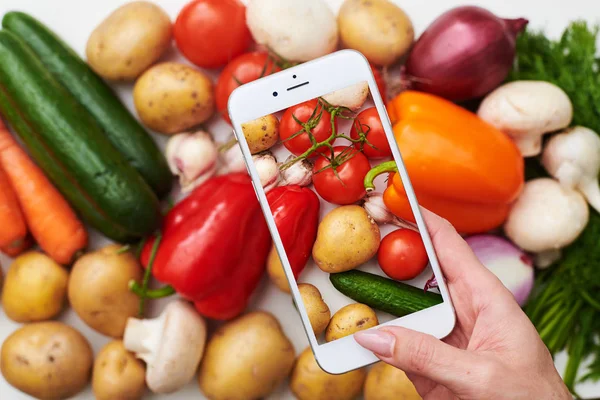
(310, 382)
(352, 226)
(350, 319)
(246, 359)
(385, 382)
(275, 271)
(35, 288)
(377, 28)
(261, 133)
(47, 360)
(118, 374)
(99, 289)
(317, 310)
(129, 41)
(172, 97)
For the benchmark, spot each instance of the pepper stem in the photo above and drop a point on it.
(388, 166)
(159, 293)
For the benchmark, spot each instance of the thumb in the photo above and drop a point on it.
(423, 355)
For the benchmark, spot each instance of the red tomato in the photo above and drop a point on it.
(307, 112)
(345, 185)
(243, 69)
(402, 255)
(210, 33)
(380, 83)
(369, 124)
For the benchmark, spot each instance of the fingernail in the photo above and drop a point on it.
(379, 342)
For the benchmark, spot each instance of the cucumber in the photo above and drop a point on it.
(69, 145)
(121, 128)
(383, 294)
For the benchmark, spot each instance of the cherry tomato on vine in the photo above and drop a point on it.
(402, 255)
(243, 69)
(368, 123)
(316, 119)
(381, 86)
(341, 181)
(210, 33)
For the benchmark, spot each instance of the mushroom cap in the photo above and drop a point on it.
(546, 216)
(578, 146)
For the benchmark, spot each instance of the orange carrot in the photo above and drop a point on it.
(13, 229)
(15, 251)
(51, 220)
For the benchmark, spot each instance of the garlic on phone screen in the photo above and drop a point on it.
(192, 157)
(267, 168)
(376, 208)
(573, 158)
(299, 173)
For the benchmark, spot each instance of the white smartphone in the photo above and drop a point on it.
(303, 99)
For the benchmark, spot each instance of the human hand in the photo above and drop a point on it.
(494, 352)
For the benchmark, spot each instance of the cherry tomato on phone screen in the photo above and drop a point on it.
(402, 255)
(380, 83)
(243, 69)
(210, 33)
(369, 124)
(345, 185)
(311, 113)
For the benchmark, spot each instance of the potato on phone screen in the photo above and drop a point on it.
(318, 312)
(350, 319)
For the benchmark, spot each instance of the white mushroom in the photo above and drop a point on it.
(296, 30)
(171, 345)
(352, 97)
(573, 157)
(546, 216)
(192, 157)
(526, 110)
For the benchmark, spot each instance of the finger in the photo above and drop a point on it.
(423, 355)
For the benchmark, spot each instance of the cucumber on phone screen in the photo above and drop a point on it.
(331, 117)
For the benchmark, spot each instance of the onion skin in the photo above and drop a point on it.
(465, 53)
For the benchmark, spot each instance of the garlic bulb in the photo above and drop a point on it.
(376, 208)
(192, 157)
(232, 159)
(268, 170)
(299, 173)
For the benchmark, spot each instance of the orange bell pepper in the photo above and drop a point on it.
(460, 167)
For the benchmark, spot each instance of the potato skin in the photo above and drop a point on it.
(35, 288)
(385, 382)
(318, 312)
(118, 374)
(310, 382)
(349, 320)
(129, 41)
(276, 272)
(47, 360)
(246, 359)
(352, 226)
(99, 289)
(262, 133)
(172, 97)
(377, 28)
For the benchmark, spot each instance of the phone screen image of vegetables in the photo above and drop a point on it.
(328, 172)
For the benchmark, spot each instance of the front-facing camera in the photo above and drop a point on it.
(275, 94)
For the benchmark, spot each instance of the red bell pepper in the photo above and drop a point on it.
(296, 213)
(214, 246)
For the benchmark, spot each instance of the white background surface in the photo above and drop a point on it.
(74, 20)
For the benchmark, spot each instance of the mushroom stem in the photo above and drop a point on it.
(142, 335)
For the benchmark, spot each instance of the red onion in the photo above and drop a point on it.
(510, 264)
(465, 53)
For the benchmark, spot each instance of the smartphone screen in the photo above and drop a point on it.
(368, 265)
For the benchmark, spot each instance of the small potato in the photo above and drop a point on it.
(99, 289)
(377, 28)
(129, 40)
(172, 97)
(35, 288)
(118, 374)
(310, 382)
(275, 271)
(352, 226)
(385, 382)
(262, 133)
(246, 359)
(317, 310)
(47, 360)
(349, 320)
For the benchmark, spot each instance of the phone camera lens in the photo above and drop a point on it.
(275, 94)
(294, 76)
